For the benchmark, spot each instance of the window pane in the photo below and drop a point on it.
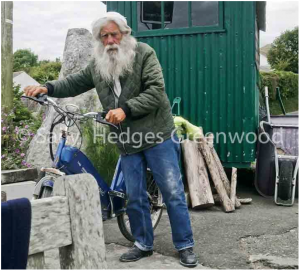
(205, 13)
(149, 15)
(178, 14)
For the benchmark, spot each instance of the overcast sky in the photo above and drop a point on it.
(42, 25)
(281, 15)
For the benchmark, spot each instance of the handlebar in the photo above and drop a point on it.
(43, 99)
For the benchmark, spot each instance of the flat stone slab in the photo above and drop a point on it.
(19, 190)
(272, 251)
(285, 244)
(18, 175)
(273, 262)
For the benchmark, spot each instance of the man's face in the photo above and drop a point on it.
(110, 34)
(115, 52)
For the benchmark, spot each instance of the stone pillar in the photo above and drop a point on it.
(77, 54)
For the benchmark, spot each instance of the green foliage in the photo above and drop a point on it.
(282, 65)
(103, 155)
(46, 71)
(283, 54)
(286, 81)
(18, 129)
(288, 85)
(24, 59)
(290, 105)
(21, 112)
(42, 71)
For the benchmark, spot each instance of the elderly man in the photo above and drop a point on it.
(129, 81)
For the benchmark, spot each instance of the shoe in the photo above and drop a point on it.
(134, 254)
(188, 258)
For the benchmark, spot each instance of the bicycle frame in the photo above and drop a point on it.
(71, 160)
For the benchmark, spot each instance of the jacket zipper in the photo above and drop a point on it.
(120, 126)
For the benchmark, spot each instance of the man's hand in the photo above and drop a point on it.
(115, 116)
(32, 91)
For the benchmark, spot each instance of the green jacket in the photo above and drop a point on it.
(143, 92)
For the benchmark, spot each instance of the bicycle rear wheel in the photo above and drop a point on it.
(156, 208)
(47, 192)
(44, 187)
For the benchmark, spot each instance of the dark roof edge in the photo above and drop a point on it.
(261, 14)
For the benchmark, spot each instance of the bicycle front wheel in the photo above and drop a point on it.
(156, 208)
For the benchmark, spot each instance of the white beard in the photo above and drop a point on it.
(115, 60)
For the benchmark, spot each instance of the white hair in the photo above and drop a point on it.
(110, 17)
(111, 63)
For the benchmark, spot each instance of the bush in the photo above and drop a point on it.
(288, 85)
(47, 71)
(283, 54)
(23, 60)
(102, 154)
(18, 129)
(286, 81)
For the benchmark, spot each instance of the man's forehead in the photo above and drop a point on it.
(110, 27)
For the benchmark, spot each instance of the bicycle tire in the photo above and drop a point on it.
(285, 180)
(47, 192)
(53, 124)
(155, 198)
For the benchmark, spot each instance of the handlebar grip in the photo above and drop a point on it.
(40, 95)
(103, 114)
(39, 98)
(101, 119)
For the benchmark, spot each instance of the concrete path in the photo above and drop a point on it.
(156, 261)
(261, 235)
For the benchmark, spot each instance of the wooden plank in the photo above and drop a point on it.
(36, 261)
(196, 174)
(210, 141)
(50, 224)
(88, 249)
(246, 201)
(242, 201)
(233, 184)
(215, 174)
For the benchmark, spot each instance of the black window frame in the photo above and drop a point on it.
(177, 31)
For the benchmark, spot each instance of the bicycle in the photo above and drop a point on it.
(69, 160)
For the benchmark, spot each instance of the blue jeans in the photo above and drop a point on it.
(162, 160)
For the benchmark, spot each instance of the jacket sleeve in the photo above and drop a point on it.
(73, 84)
(153, 87)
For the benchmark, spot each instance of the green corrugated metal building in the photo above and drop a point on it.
(209, 52)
